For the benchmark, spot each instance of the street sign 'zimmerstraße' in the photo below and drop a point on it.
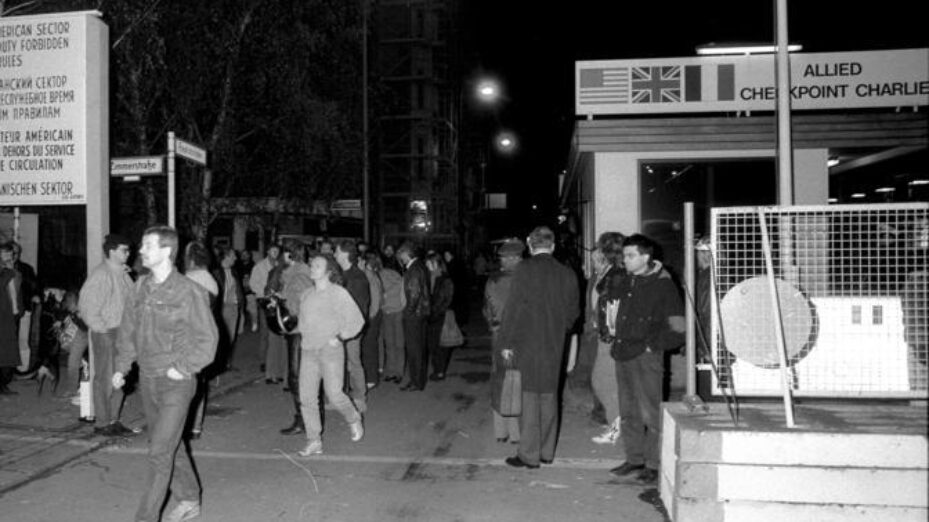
(137, 166)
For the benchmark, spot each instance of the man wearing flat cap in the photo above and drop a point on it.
(496, 292)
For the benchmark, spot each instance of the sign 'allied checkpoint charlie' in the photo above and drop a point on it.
(52, 108)
(864, 79)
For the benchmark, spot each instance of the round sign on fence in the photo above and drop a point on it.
(748, 321)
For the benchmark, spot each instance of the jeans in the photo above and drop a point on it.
(166, 402)
(639, 401)
(275, 353)
(326, 364)
(604, 383)
(231, 318)
(107, 399)
(392, 334)
(369, 348)
(356, 373)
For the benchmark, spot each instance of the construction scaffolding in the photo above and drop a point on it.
(416, 171)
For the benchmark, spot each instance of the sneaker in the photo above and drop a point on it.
(314, 447)
(609, 436)
(184, 510)
(120, 429)
(358, 431)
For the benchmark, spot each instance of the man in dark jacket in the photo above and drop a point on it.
(168, 328)
(415, 313)
(355, 281)
(649, 321)
(542, 306)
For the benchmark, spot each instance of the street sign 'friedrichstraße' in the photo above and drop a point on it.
(190, 151)
(137, 166)
(49, 117)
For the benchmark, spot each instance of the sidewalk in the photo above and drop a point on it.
(40, 433)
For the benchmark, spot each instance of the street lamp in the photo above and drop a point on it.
(488, 91)
(505, 142)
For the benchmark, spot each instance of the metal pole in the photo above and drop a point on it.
(366, 188)
(690, 315)
(778, 324)
(784, 145)
(16, 219)
(171, 181)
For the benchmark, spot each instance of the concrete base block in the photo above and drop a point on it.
(839, 463)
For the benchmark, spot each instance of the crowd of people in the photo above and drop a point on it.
(336, 319)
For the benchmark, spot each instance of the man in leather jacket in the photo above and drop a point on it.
(416, 292)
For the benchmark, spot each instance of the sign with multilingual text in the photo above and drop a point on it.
(46, 63)
(866, 79)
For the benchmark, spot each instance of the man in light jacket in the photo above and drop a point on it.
(101, 302)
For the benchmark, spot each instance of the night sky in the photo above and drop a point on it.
(532, 48)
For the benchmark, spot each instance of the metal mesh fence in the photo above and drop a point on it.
(852, 291)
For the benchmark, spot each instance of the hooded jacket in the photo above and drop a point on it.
(650, 314)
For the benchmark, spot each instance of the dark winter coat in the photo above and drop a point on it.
(416, 290)
(443, 293)
(542, 306)
(356, 282)
(650, 315)
(9, 341)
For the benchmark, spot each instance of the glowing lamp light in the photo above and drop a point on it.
(714, 49)
(505, 142)
(832, 162)
(884, 190)
(858, 195)
(488, 90)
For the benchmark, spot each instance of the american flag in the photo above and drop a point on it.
(656, 84)
(604, 85)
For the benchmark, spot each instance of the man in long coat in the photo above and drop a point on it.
(541, 307)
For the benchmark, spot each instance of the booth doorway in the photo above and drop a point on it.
(667, 184)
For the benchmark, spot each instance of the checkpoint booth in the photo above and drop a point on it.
(849, 237)
(653, 134)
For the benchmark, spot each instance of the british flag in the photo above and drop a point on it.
(656, 84)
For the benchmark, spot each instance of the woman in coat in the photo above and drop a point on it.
(443, 293)
(10, 307)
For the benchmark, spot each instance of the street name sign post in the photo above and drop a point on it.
(131, 168)
(184, 149)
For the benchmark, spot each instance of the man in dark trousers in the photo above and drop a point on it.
(649, 321)
(168, 328)
(542, 306)
(356, 282)
(416, 292)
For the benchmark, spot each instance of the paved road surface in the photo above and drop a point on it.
(427, 456)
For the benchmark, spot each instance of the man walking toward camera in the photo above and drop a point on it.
(169, 330)
(102, 302)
